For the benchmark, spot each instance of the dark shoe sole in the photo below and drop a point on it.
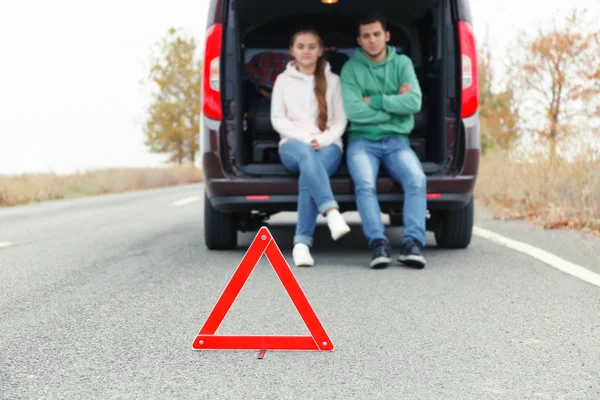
(413, 261)
(380, 262)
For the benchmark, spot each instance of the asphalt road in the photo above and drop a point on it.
(103, 297)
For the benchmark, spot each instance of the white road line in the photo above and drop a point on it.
(183, 202)
(554, 261)
(5, 244)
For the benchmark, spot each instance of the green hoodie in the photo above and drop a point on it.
(390, 114)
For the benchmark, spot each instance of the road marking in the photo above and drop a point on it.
(5, 244)
(183, 202)
(554, 261)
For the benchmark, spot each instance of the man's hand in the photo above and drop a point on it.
(367, 100)
(315, 145)
(405, 88)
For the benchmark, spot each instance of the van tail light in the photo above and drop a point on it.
(211, 91)
(468, 61)
(254, 198)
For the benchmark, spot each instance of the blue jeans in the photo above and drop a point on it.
(364, 158)
(314, 189)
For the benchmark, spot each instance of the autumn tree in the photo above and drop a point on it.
(556, 86)
(173, 118)
(498, 111)
(590, 69)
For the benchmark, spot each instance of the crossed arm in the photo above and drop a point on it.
(407, 101)
(357, 110)
(380, 108)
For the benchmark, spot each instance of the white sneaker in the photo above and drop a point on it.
(302, 257)
(337, 224)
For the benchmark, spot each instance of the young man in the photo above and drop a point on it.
(381, 94)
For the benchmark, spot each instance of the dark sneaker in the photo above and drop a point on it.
(380, 249)
(410, 255)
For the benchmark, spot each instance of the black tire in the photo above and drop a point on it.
(455, 228)
(220, 229)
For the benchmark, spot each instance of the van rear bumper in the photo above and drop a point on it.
(272, 194)
(347, 202)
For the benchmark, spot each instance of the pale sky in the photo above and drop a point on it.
(69, 71)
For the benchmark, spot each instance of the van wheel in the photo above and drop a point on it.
(220, 229)
(455, 228)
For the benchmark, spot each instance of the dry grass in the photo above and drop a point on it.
(29, 188)
(559, 194)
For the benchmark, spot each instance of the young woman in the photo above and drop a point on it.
(308, 113)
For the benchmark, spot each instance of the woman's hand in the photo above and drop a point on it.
(315, 145)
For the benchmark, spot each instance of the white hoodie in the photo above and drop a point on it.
(294, 108)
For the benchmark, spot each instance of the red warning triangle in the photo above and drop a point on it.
(263, 243)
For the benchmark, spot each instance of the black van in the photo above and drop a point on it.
(247, 45)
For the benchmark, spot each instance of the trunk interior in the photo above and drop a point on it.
(257, 41)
